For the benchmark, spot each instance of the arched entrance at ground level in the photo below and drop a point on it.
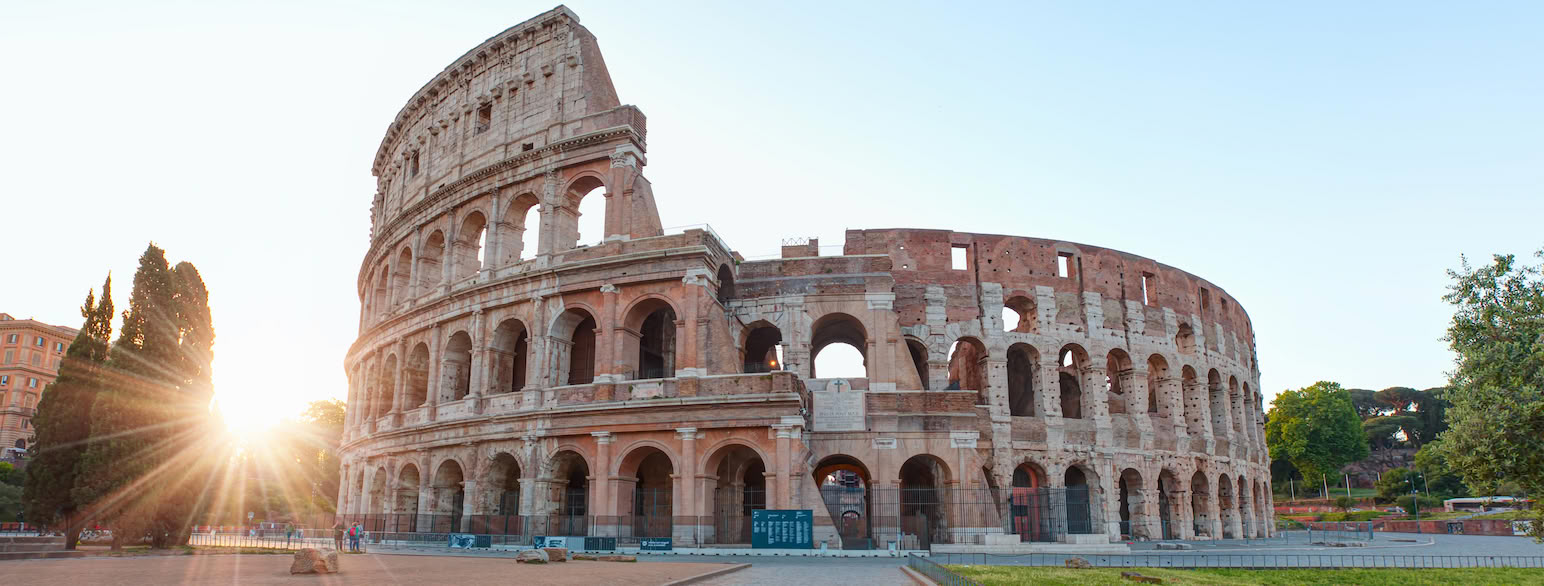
(1227, 507)
(1134, 519)
(1200, 491)
(500, 500)
(567, 503)
(1080, 515)
(739, 487)
(378, 507)
(406, 507)
(1168, 489)
(1245, 513)
(1029, 505)
(646, 476)
(449, 496)
(924, 494)
(844, 487)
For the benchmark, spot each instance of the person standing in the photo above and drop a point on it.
(337, 535)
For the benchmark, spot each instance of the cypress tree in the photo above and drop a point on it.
(190, 426)
(63, 422)
(123, 471)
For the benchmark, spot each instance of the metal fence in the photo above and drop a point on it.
(1187, 560)
(937, 573)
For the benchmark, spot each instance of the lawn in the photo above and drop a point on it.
(1006, 575)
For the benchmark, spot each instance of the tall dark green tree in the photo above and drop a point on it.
(63, 422)
(124, 468)
(191, 425)
(1316, 428)
(1496, 420)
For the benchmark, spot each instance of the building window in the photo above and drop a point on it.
(959, 258)
(58, 346)
(1148, 280)
(10, 356)
(484, 118)
(5, 379)
(11, 339)
(412, 165)
(37, 359)
(41, 342)
(32, 383)
(1064, 265)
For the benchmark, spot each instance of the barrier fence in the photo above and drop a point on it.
(1187, 560)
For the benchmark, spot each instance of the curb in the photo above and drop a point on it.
(707, 575)
(917, 578)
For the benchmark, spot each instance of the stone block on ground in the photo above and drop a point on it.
(556, 554)
(1136, 577)
(531, 556)
(1078, 564)
(315, 561)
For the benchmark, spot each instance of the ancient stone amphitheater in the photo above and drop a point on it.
(655, 384)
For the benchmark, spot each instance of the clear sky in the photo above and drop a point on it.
(1322, 162)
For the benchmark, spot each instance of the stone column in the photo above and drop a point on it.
(1182, 513)
(1214, 509)
(687, 506)
(609, 349)
(477, 371)
(400, 393)
(436, 354)
(789, 428)
(470, 504)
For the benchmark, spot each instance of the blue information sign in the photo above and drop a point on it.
(654, 543)
(783, 529)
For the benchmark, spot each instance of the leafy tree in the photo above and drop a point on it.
(1385, 432)
(1497, 389)
(1367, 404)
(10, 503)
(63, 422)
(1344, 502)
(1440, 479)
(10, 474)
(1316, 428)
(1396, 482)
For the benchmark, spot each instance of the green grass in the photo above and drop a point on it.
(1353, 516)
(1013, 575)
(1506, 515)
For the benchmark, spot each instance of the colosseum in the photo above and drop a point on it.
(1014, 391)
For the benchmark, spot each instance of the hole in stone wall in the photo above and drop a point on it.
(958, 258)
(484, 118)
(1064, 264)
(1147, 284)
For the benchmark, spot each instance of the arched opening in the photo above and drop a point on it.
(918, 353)
(581, 220)
(763, 348)
(1133, 495)
(415, 375)
(1244, 511)
(522, 223)
(967, 367)
(456, 368)
(405, 518)
(651, 327)
(1022, 362)
(1029, 505)
(1200, 511)
(511, 346)
(501, 498)
(725, 284)
(847, 358)
(382, 293)
(1227, 507)
(430, 262)
(1071, 361)
(1019, 315)
(1117, 379)
(469, 245)
(1168, 489)
(573, 348)
(1195, 402)
(740, 486)
(1236, 402)
(401, 282)
(385, 385)
(924, 486)
(569, 486)
(1261, 494)
(449, 496)
(1219, 403)
(1157, 385)
(1185, 340)
(844, 488)
(1080, 515)
(649, 511)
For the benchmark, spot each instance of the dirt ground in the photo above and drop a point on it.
(368, 569)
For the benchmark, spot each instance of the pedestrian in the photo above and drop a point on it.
(337, 536)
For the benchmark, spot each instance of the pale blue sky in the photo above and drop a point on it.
(1322, 162)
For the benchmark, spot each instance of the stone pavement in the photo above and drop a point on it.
(800, 571)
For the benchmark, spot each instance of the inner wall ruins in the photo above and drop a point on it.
(655, 384)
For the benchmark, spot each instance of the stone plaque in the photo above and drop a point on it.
(884, 443)
(840, 411)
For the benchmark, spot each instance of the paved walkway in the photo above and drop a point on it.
(799, 571)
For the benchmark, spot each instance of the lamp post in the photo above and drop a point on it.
(1415, 502)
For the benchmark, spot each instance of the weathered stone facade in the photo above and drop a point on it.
(635, 384)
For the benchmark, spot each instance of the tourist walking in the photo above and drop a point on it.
(337, 536)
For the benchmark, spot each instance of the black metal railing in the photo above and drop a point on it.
(1186, 560)
(937, 573)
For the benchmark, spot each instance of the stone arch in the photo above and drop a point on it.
(1133, 495)
(385, 387)
(1071, 363)
(430, 258)
(1082, 502)
(401, 277)
(1119, 376)
(1169, 514)
(502, 479)
(1200, 505)
(924, 485)
(456, 367)
(918, 351)
(1245, 512)
(646, 471)
(1030, 514)
(738, 470)
(844, 483)
(510, 353)
(448, 494)
(1160, 395)
(470, 242)
(571, 343)
(649, 338)
(967, 367)
(415, 374)
(1022, 311)
(1227, 507)
(379, 492)
(1023, 375)
(1261, 499)
(518, 215)
(567, 216)
(382, 293)
(566, 500)
(726, 291)
(761, 347)
(406, 488)
(837, 328)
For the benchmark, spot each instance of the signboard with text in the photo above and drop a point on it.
(840, 411)
(783, 529)
(654, 544)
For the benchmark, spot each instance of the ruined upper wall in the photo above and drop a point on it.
(921, 258)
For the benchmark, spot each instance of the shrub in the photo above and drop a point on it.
(1344, 503)
(1427, 503)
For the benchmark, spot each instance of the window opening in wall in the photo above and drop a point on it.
(412, 165)
(1147, 283)
(484, 118)
(958, 258)
(1064, 264)
(482, 246)
(1206, 301)
(527, 146)
(532, 233)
